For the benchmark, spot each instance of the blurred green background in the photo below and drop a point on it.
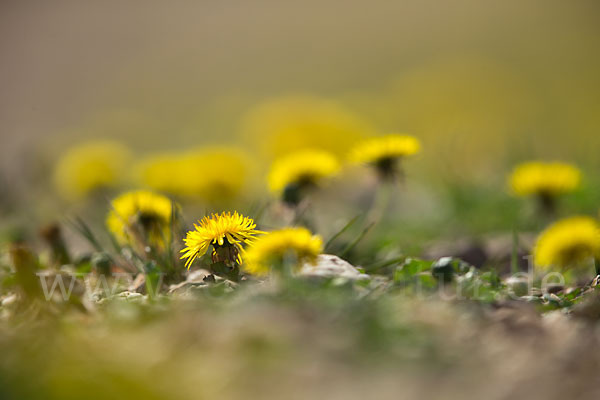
(483, 84)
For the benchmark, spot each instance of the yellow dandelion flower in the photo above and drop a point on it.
(91, 166)
(226, 233)
(568, 243)
(297, 245)
(384, 152)
(161, 172)
(300, 170)
(544, 179)
(212, 174)
(140, 217)
(220, 173)
(283, 125)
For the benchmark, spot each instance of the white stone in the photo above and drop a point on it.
(330, 266)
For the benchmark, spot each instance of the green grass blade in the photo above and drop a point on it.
(347, 226)
(80, 226)
(358, 239)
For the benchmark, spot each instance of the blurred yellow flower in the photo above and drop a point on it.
(280, 126)
(386, 147)
(226, 233)
(161, 172)
(273, 250)
(544, 179)
(219, 173)
(141, 217)
(212, 173)
(300, 170)
(384, 152)
(568, 243)
(91, 166)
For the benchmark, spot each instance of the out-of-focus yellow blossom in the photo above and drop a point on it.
(544, 179)
(384, 152)
(302, 169)
(90, 166)
(568, 243)
(160, 172)
(273, 250)
(141, 217)
(226, 233)
(386, 147)
(288, 124)
(218, 173)
(212, 173)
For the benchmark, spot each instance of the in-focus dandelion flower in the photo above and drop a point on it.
(89, 167)
(225, 232)
(141, 217)
(296, 246)
(568, 243)
(291, 175)
(384, 153)
(544, 179)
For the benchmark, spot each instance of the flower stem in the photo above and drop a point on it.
(381, 203)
